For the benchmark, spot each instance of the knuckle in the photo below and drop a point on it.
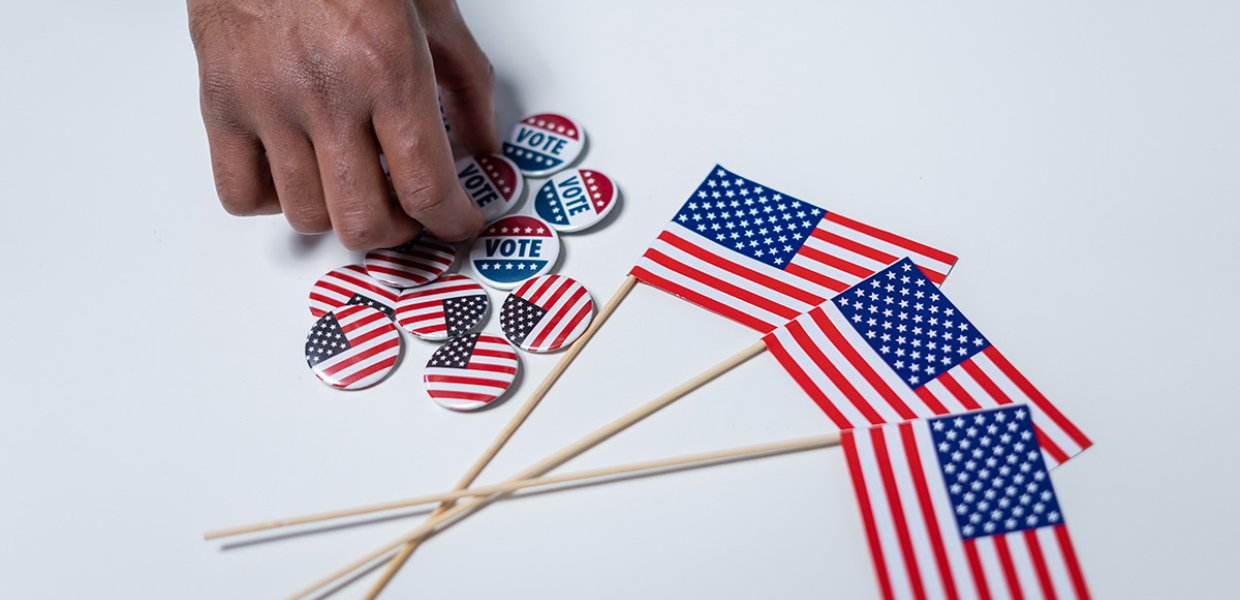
(420, 195)
(308, 220)
(240, 203)
(358, 234)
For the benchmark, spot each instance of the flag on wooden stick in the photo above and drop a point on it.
(962, 506)
(762, 257)
(894, 348)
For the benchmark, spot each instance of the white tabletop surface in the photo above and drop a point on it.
(1081, 158)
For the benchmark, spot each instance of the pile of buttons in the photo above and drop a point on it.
(361, 309)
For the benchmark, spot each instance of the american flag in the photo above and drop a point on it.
(470, 371)
(350, 285)
(962, 507)
(761, 257)
(353, 347)
(546, 313)
(411, 264)
(444, 308)
(894, 348)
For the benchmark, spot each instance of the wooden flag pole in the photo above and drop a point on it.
(702, 459)
(460, 511)
(511, 428)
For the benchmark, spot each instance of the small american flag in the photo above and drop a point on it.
(444, 308)
(546, 313)
(350, 285)
(411, 264)
(962, 507)
(761, 257)
(894, 348)
(353, 347)
(470, 371)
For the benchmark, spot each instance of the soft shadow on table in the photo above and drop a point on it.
(301, 245)
(332, 591)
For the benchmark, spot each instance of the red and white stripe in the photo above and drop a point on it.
(410, 265)
(569, 311)
(334, 290)
(839, 253)
(374, 349)
(491, 370)
(915, 544)
(420, 310)
(843, 374)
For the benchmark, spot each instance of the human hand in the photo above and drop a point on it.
(299, 97)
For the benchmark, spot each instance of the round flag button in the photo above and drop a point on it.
(543, 144)
(493, 182)
(416, 262)
(353, 347)
(447, 307)
(546, 313)
(350, 285)
(576, 199)
(513, 249)
(470, 371)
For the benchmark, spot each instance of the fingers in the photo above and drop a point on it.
(466, 79)
(423, 174)
(242, 177)
(358, 204)
(295, 172)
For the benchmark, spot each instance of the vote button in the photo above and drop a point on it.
(513, 249)
(493, 182)
(576, 199)
(544, 144)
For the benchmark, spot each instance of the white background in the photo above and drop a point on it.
(1081, 158)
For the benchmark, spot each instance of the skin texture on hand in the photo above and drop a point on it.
(299, 97)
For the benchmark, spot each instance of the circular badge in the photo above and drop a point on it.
(470, 371)
(513, 249)
(576, 199)
(353, 347)
(544, 144)
(447, 307)
(493, 182)
(416, 262)
(546, 313)
(350, 285)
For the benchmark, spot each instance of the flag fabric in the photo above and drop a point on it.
(470, 371)
(546, 313)
(962, 506)
(350, 285)
(894, 348)
(444, 308)
(416, 262)
(761, 257)
(353, 347)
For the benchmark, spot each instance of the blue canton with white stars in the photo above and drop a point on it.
(914, 328)
(748, 218)
(994, 472)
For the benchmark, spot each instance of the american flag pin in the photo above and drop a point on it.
(544, 144)
(514, 249)
(353, 347)
(416, 262)
(546, 313)
(470, 371)
(447, 307)
(494, 183)
(350, 285)
(576, 199)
